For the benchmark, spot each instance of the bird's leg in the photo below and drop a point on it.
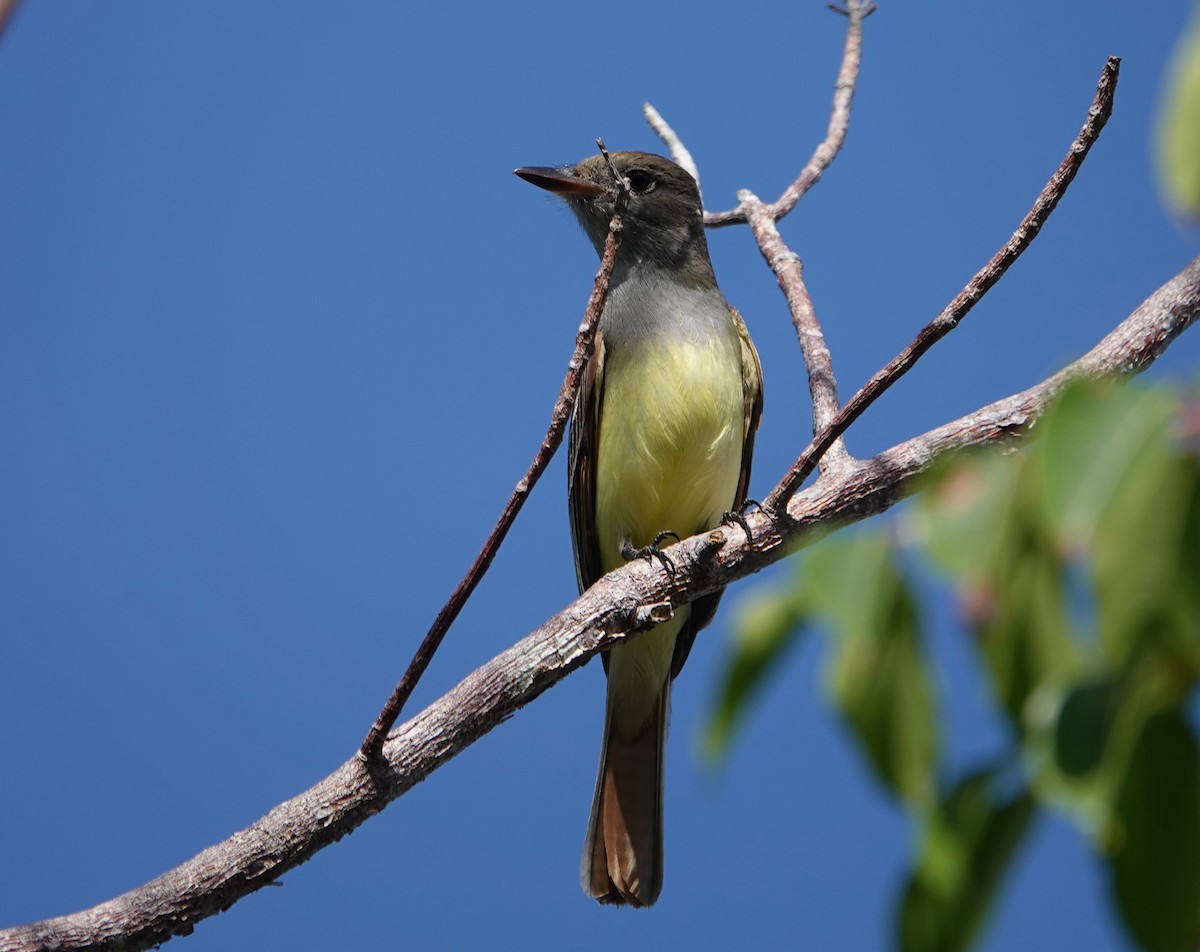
(651, 551)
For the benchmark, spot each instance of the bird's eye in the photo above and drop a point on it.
(640, 180)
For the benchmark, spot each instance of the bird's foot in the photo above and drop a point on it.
(738, 517)
(652, 551)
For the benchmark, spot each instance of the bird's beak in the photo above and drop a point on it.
(561, 181)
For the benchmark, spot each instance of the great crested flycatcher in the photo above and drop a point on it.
(661, 438)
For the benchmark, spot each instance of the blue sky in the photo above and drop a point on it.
(281, 331)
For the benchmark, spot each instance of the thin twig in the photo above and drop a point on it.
(979, 285)
(839, 122)
(295, 831)
(789, 272)
(679, 152)
(584, 344)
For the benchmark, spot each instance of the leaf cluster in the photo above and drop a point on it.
(1075, 566)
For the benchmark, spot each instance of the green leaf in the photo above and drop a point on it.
(964, 517)
(765, 626)
(1099, 440)
(1155, 853)
(1179, 126)
(849, 580)
(1147, 565)
(1115, 485)
(982, 524)
(967, 844)
(1084, 725)
(1027, 640)
(877, 673)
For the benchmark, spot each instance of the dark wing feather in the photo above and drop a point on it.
(581, 470)
(752, 404)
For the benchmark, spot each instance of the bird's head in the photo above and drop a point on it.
(664, 220)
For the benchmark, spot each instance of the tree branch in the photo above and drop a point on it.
(620, 604)
(856, 11)
(679, 152)
(789, 272)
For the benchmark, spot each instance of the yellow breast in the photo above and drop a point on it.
(670, 441)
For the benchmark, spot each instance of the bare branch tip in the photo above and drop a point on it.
(670, 138)
(853, 7)
(623, 186)
(1112, 69)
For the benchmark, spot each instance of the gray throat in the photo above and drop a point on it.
(646, 302)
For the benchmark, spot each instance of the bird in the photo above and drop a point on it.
(662, 436)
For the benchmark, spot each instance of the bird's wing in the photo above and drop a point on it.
(581, 469)
(752, 404)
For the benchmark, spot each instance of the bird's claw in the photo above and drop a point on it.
(651, 552)
(738, 517)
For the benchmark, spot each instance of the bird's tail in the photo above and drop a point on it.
(623, 853)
